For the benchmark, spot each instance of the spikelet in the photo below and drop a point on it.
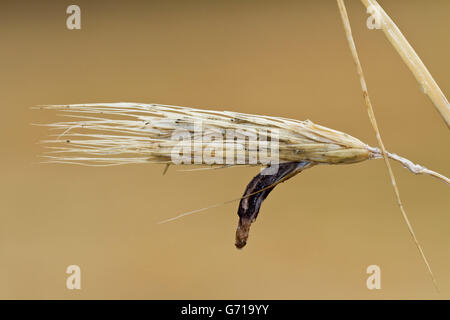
(121, 133)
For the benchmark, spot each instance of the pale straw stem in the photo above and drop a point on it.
(372, 118)
(412, 60)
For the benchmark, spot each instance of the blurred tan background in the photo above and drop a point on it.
(315, 235)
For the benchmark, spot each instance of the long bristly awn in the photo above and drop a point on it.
(106, 134)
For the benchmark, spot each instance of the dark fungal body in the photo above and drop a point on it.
(257, 191)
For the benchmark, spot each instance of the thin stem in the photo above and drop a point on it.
(408, 164)
(412, 60)
(373, 120)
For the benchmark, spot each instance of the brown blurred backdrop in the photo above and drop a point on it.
(315, 235)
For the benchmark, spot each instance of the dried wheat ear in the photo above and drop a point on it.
(122, 133)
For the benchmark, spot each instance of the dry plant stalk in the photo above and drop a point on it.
(389, 27)
(412, 60)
